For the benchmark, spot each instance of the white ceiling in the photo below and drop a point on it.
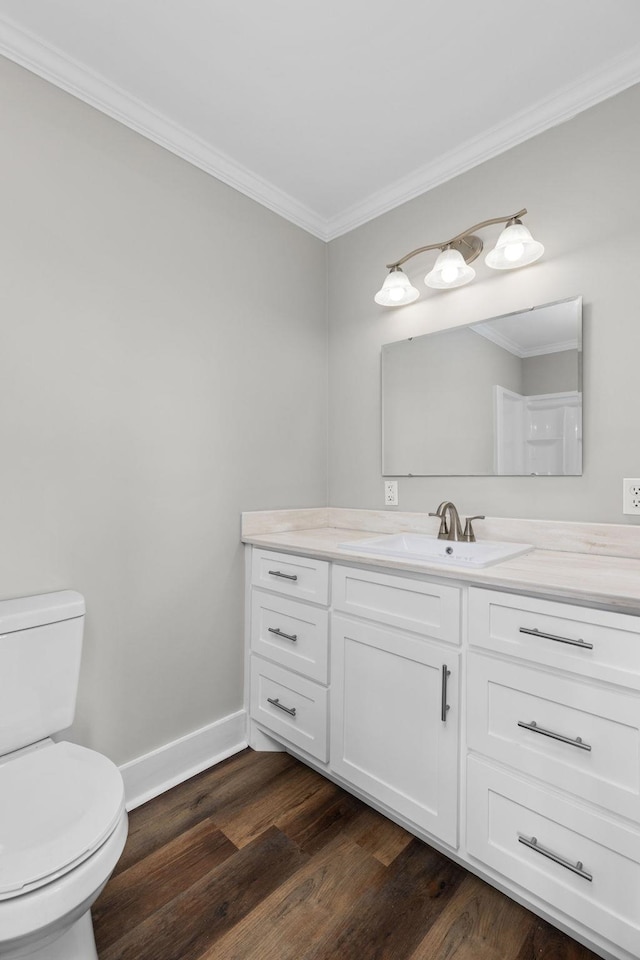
(550, 328)
(331, 111)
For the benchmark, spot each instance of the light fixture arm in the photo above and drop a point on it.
(456, 239)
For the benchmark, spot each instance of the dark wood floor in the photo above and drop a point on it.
(262, 858)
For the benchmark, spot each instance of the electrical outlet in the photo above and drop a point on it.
(631, 495)
(391, 493)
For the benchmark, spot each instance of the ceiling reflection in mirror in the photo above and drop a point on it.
(500, 397)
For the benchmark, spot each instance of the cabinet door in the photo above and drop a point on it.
(388, 737)
(303, 578)
(593, 643)
(290, 705)
(556, 848)
(572, 734)
(291, 633)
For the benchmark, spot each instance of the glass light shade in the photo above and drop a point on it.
(515, 248)
(396, 290)
(449, 270)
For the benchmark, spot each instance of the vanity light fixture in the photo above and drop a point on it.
(515, 248)
(396, 289)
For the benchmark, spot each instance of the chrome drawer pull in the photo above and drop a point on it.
(279, 633)
(533, 726)
(551, 636)
(574, 867)
(276, 703)
(444, 706)
(285, 576)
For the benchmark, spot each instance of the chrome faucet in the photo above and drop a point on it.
(450, 526)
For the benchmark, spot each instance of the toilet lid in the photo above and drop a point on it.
(58, 804)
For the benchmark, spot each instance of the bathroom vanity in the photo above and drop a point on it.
(493, 712)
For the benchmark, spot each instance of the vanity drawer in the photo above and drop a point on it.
(292, 633)
(594, 643)
(502, 809)
(294, 576)
(422, 607)
(299, 713)
(599, 757)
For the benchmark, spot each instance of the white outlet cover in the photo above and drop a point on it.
(631, 495)
(391, 493)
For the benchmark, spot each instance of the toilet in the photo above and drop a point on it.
(63, 822)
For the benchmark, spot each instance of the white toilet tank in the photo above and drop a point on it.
(40, 648)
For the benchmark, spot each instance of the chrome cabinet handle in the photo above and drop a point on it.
(285, 576)
(551, 636)
(280, 633)
(444, 706)
(567, 864)
(276, 703)
(534, 728)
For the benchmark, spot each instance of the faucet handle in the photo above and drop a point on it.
(443, 532)
(469, 536)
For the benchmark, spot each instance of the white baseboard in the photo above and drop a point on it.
(150, 775)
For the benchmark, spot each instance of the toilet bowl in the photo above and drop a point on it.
(63, 822)
(68, 822)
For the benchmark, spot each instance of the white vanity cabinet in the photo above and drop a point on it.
(395, 694)
(553, 771)
(502, 728)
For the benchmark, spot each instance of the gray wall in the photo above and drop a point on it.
(550, 373)
(156, 378)
(580, 184)
(438, 402)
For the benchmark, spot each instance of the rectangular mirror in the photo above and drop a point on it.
(502, 397)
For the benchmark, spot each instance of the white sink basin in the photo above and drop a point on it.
(426, 549)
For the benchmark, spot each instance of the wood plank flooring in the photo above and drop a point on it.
(260, 858)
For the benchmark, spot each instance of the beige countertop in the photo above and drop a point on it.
(588, 578)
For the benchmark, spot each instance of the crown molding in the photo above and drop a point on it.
(75, 78)
(515, 348)
(592, 88)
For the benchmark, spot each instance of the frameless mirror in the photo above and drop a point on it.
(502, 397)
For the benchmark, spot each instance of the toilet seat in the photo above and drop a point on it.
(58, 805)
